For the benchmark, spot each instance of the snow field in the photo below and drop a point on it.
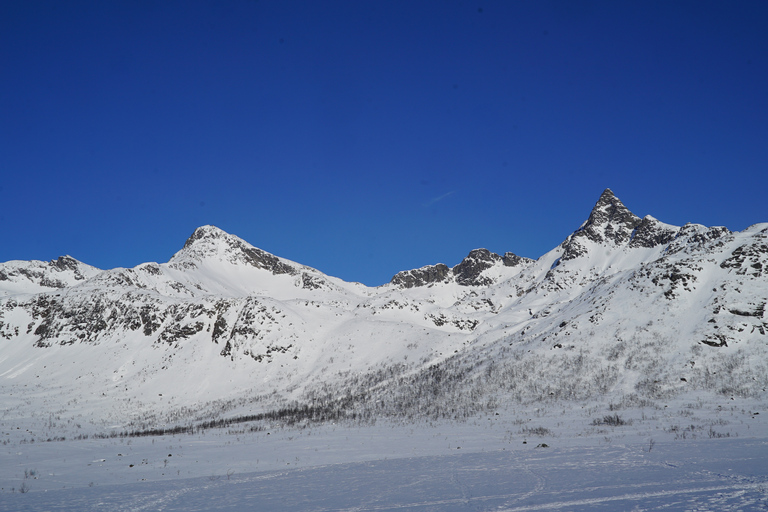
(478, 465)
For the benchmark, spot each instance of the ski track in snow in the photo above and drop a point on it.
(713, 476)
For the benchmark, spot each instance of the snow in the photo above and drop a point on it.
(435, 397)
(481, 465)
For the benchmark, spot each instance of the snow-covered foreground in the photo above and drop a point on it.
(487, 463)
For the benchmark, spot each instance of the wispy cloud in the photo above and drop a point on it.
(438, 199)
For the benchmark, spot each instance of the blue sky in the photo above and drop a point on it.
(365, 138)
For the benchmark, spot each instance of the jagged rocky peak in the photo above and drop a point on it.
(467, 273)
(609, 222)
(210, 242)
(423, 276)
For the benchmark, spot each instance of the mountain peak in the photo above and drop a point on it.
(206, 232)
(610, 210)
(469, 271)
(607, 194)
(210, 242)
(609, 222)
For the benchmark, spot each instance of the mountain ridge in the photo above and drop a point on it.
(620, 309)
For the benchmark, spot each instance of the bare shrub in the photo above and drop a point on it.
(537, 431)
(611, 420)
(713, 434)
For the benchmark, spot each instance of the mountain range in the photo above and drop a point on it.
(626, 309)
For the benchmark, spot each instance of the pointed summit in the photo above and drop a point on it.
(610, 222)
(211, 243)
(610, 214)
(206, 232)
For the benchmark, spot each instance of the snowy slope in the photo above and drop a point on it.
(18, 277)
(625, 309)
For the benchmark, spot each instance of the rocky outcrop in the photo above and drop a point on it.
(59, 273)
(652, 233)
(422, 276)
(749, 259)
(513, 260)
(467, 273)
(698, 238)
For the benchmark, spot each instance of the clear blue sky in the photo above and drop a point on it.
(368, 137)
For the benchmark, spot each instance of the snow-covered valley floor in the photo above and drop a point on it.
(714, 458)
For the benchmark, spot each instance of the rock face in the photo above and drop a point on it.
(610, 222)
(652, 233)
(513, 260)
(749, 259)
(423, 276)
(470, 272)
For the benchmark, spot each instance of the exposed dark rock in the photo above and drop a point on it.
(676, 276)
(40, 277)
(176, 332)
(695, 237)
(757, 311)
(310, 282)
(219, 329)
(750, 259)
(149, 320)
(652, 233)
(610, 221)
(239, 251)
(203, 232)
(422, 276)
(65, 263)
(262, 259)
(268, 355)
(468, 271)
(513, 260)
(51, 283)
(716, 340)
(464, 324)
(151, 268)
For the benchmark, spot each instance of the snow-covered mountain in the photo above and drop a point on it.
(628, 309)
